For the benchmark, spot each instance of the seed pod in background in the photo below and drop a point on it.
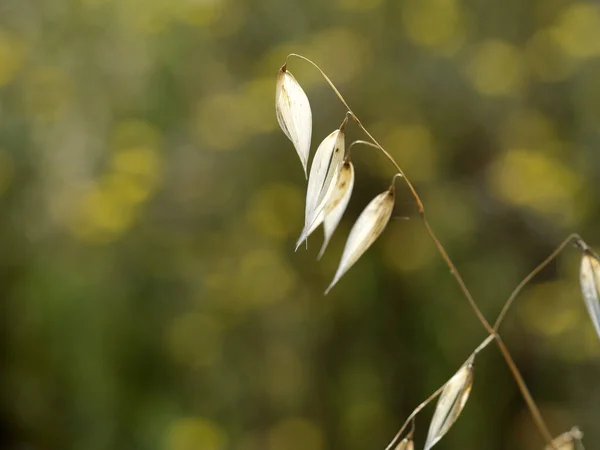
(451, 403)
(589, 277)
(294, 114)
(570, 440)
(405, 444)
(366, 230)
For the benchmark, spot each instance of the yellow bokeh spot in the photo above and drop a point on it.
(526, 178)
(6, 171)
(546, 58)
(12, 55)
(357, 5)
(195, 340)
(141, 164)
(127, 188)
(275, 211)
(220, 122)
(413, 146)
(555, 311)
(295, 434)
(194, 434)
(496, 68)
(101, 216)
(134, 133)
(549, 308)
(578, 30)
(110, 206)
(438, 24)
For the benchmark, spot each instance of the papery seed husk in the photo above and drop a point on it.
(451, 403)
(336, 203)
(369, 225)
(333, 206)
(567, 441)
(405, 444)
(334, 166)
(294, 114)
(589, 277)
(322, 171)
(322, 179)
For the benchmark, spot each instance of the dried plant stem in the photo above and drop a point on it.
(432, 397)
(534, 410)
(413, 415)
(539, 421)
(572, 238)
(416, 197)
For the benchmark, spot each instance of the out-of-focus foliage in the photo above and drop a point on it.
(149, 205)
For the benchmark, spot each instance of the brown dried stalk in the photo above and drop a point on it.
(539, 421)
(326, 201)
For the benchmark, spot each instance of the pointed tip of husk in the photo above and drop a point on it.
(303, 238)
(299, 242)
(336, 278)
(322, 251)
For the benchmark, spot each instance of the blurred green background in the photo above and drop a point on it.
(149, 206)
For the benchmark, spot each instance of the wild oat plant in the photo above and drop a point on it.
(330, 185)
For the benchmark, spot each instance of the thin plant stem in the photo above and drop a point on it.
(570, 239)
(415, 195)
(539, 421)
(359, 141)
(413, 415)
(432, 397)
(533, 408)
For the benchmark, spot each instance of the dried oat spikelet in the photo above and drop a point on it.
(293, 113)
(370, 224)
(570, 440)
(323, 173)
(333, 206)
(589, 277)
(406, 444)
(451, 403)
(336, 203)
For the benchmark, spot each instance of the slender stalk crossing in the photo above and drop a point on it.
(491, 330)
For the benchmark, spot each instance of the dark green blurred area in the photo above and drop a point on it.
(150, 294)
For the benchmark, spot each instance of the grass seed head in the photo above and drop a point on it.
(589, 277)
(294, 114)
(451, 403)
